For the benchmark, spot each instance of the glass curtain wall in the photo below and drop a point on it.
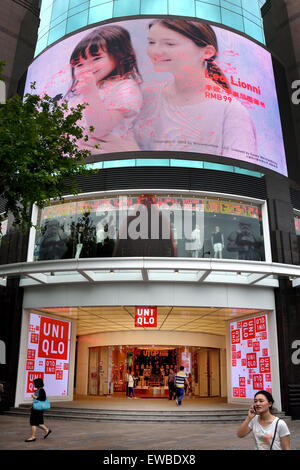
(61, 17)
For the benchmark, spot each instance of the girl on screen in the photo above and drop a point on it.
(105, 75)
(194, 110)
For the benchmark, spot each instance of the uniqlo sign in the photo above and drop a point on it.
(54, 337)
(146, 316)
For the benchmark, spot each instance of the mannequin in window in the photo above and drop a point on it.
(196, 242)
(217, 241)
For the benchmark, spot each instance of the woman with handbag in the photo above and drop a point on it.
(269, 432)
(40, 403)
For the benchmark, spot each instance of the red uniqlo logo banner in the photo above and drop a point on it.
(260, 324)
(264, 365)
(54, 336)
(146, 316)
(30, 365)
(235, 336)
(248, 330)
(31, 377)
(50, 366)
(251, 360)
(258, 382)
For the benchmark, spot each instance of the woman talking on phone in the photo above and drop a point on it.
(269, 432)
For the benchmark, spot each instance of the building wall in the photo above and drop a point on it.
(18, 34)
(282, 31)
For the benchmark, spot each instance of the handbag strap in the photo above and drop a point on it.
(274, 433)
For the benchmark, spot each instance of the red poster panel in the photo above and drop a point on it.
(260, 324)
(251, 360)
(31, 377)
(54, 336)
(235, 336)
(248, 329)
(146, 317)
(258, 382)
(264, 365)
(50, 366)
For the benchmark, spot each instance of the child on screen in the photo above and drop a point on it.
(105, 75)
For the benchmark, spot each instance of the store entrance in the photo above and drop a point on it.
(151, 366)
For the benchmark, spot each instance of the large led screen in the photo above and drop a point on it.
(168, 85)
(250, 357)
(48, 354)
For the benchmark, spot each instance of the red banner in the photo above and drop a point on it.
(53, 342)
(146, 317)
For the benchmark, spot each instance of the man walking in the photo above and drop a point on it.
(180, 381)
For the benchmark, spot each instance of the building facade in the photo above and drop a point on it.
(183, 248)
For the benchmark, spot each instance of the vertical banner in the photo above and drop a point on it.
(48, 354)
(250, 357)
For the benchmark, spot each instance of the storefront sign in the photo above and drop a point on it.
(250, 357)
(146, 316)
(48, 354)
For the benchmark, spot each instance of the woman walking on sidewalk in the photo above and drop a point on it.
(37, 416)
(269, 432)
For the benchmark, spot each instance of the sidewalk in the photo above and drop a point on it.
(83, 435)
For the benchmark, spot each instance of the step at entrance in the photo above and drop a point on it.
(141, 416)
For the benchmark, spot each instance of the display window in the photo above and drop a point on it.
(151, 225)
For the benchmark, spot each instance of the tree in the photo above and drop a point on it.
(39, 154)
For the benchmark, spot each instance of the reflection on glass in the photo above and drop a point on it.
(151, 225)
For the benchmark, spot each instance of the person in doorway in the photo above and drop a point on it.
(180, 381)
(131, 386)
(171, 384)
(126, 380)
(37, 416)
(269, 432)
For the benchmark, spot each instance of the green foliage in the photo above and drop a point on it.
(39, 154)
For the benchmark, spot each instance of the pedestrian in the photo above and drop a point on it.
(37, 416)
(180, 381)
(269, 432)
(131, 386)
(126, 380)
(171, 384)
(1, 399)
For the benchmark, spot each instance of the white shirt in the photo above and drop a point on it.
(263, 435)
(130, 381)
(209, 126)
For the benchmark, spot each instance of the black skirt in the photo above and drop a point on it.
(36, 417)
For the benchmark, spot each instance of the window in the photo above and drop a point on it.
(178, 7)
(57, 32)
(77, 21)
(233, 20)
(100, 12)
(209, 12)
(154, 6)
(125, 8)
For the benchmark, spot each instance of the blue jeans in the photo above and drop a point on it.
(131, 391)
(180, 395)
